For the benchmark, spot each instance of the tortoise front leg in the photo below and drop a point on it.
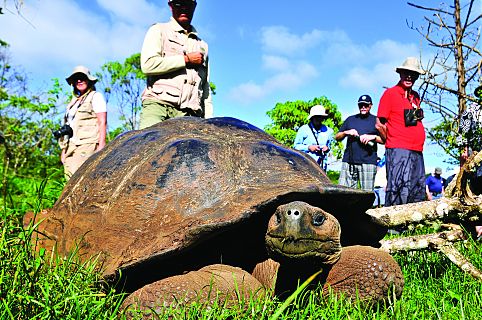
(367, 273)
(266, 272)
(214, 283)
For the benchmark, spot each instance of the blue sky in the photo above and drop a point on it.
(261, 52)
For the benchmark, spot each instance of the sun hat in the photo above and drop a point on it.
(438, 170)
(317, 110)
(411, 64)
(84, 71)
(365, 99)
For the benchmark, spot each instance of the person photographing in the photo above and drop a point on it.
(315, 137)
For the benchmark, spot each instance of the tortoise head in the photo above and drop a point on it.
(299, 231)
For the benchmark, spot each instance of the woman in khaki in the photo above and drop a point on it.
(85, 121)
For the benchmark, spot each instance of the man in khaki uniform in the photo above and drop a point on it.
(175, 61)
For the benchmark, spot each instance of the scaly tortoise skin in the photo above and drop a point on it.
(193, 193)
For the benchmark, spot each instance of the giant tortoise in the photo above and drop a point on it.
(222, 196)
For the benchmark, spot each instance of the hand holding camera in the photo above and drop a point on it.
(318, 150)
(314, 148)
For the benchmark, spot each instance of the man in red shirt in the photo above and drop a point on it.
(400, 125)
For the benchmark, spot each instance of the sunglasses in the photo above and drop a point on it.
(180, 4)
(411, 75)
(363, 105)
(79, 79)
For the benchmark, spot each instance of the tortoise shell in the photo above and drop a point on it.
(152, 194)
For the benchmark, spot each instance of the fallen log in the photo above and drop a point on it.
(441, 241)
(459, 204)
(444, 209)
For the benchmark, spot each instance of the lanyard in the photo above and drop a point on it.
(322, 156)
(76, 103)
(314, 135)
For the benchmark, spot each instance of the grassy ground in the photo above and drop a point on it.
(40, 286)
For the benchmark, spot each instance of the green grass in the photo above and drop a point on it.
(41, 286)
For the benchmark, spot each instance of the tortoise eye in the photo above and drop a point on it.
(318, 220)
(278, 218)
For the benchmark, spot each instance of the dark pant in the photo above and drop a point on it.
(405, 176)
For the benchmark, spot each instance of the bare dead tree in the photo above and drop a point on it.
(17, 4)
(14, 7)
(454, 71)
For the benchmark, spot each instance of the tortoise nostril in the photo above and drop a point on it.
(289, 212)
(296, 213)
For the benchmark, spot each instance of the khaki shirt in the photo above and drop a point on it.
(85, 127)
(164, 66)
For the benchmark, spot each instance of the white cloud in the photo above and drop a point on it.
(241, 31)
(288, 68)
(376, 67)
(134, 12)
(246, 92)
(280, 40)
(60, 34)
(354, 66)
(368, 79)
(275, 63)
(291, 77)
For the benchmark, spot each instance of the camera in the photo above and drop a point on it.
(321, 153)
(370, 143)
(411, 116)
(65, 130)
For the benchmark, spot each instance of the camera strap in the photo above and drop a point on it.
(320, 158)
(409, 96)
(77, 102)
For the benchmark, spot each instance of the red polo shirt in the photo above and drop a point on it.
(391, 107)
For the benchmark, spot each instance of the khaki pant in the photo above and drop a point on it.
(154, 112)
(76, 156)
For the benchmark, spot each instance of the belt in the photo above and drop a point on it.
(435, 193)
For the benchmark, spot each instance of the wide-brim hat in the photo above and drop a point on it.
(411, 64)
(317, 110)
(83, 70)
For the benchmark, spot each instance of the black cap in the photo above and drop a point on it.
(365, 99)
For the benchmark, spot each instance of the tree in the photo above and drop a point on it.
(289, 116)
(454, 71)
(26, 123)
(123, 84)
